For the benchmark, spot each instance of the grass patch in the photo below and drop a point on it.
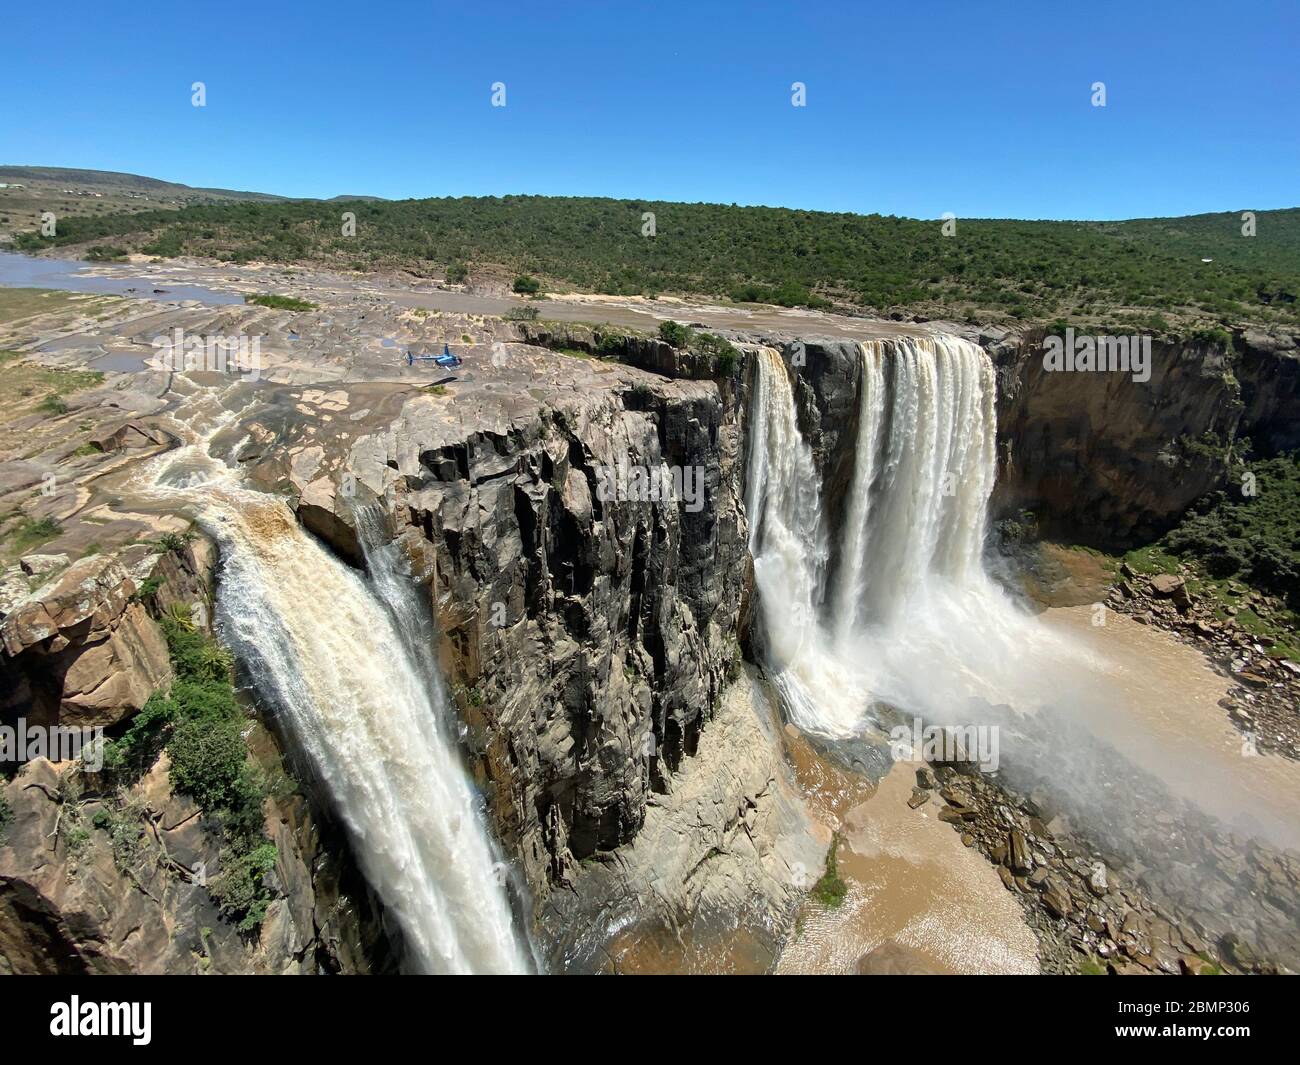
(33, 532)
(31, 388)
(1151, 560)
(280, 303)
(17, 304)
(105, 253)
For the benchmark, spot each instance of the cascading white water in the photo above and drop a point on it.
(908, 616)
(789, 546)
(852, 587)
(367, 710)
(924, 469)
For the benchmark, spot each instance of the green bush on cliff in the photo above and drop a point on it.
(676, 334)
(6, 816)
(200, 724)
(129, 757)
(239, 892)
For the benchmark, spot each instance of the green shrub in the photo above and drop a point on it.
(521, 314)
(128, 757)
(104, 253)
(6, 816)
(53, 404)
(1230, 533)
(610, 345)
(125, 832)
(280, 303)
(200, 724)
(35, 531)
(171, 541)
(238, 890)
(679, 336)
(527, 286)
(457, 273)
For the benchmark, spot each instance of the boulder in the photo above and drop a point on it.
(128, 435)
(38, 565)
(1056, 898)
(1167, 585)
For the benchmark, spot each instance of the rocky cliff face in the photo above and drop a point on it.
(587, 623)
(1103, 459)
(1269, 371)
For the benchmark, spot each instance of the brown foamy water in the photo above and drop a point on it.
(914, 891)
(1166, 718)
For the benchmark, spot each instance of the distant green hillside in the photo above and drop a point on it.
(1139, 271)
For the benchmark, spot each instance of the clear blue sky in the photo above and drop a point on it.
(913, 108)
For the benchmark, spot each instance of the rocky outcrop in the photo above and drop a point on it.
(724, 858)
(98, 884)
(588, 639)
(643, 352)
(1269, 371)
(82, 649)
(1099, 457)
(1265, 694)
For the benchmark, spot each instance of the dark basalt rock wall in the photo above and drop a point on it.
(576, 628)
(586, 641)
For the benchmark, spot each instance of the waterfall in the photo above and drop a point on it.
(871, 419)
(789, 546)
(345, 662)
(904, 616)
(920, 487)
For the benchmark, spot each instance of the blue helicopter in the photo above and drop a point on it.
(446, 360)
